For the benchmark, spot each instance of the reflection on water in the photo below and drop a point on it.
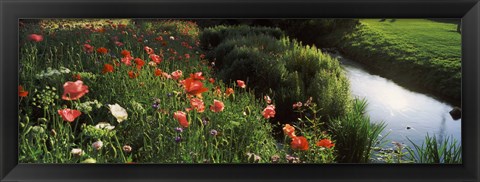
(406, 113)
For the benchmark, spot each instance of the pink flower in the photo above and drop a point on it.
(177, 74)
(218, 106)
(127, 60)
(148, 50)
(197, 104)
(74, 90)
(88, 48)
(156, 58)
(269, 112)
(35, 37)
(69, 114)
(241, 84)
(118, 43)
(181, 117)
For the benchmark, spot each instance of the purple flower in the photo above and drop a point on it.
(178, 139)
(204, 121)
(213, 132)
(178, 129)
(155, 106)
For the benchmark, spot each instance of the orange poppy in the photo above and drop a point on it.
(241, 84)
(125, 53)
(325, 143)
(158, 72)
(132, 74)
(107, 68)
(21, 92)
(102, 50)
(217, 106)
(139, 62)
(181, 117)
(197, 76)
(229, 91)
(194, 87)
(269, 112)
(299, 143)
(289, 131)
(197, 104)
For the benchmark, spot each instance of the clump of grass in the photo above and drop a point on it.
(432, 150)
(356, 135)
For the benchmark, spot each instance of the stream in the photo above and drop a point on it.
(406, 113)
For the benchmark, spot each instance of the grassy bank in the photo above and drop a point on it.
(420, 54)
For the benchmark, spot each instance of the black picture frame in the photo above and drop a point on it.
(11, 11)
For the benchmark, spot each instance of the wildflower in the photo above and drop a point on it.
(127, 60)
(187, 56)
(97, 145)
(202, 56)
(299, 143)
(267, 99)
(253, 157)
(182, 118)
(178, 129)
(172, 38)
(102, 50)
(177, 74)
(35, 37)
(155, 58)
(217, 91)
(213, 132)
(21, 92)
(69, 114)
(107, 68)
(88, 48)
(241, 84)
(77, 152)
(197, 104)
(118, 43)
(74, 90)
(127, 148)
(269, 112)
(229, 91)
(77, 76)
(166, 75)
(125, 53)
(132, 74)
(218, 106)
(325, 143)
(118, 112)
(297, 105)
(148, 50)
(152, 64)
(178, 139)
(211, 80)
(158, 72)
(197, 76)
(155, 105)
(139, 62)
(104, 125)
(194, 87)
(204, 121)
(289, 130)
(292, 159)
(159, 38)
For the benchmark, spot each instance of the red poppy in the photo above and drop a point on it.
(74, 90)
(125, 53)
(139, 62)
(69, 114)
(289, 131)
(241, 84)
(158, 72)
(177, 74)
(148, 50)
(88, 48)
(211, 80)
(197, 76)
(217, 106)
(107, 68)
(102, 50)
(156, 58)
(299, 143)
(127, 60)
(132, 74)
(35, 37)
(187, 56)
(21, 92)
(159, 38)
(325, 143)
(181, 117)
(269, 112)
(194, 87)
(229, 91)
(197, 104)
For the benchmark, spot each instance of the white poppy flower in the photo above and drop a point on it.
(118, 112)
(77, 152)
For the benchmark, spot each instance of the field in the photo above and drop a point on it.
(419, 53)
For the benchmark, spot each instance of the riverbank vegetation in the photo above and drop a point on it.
(167, 91)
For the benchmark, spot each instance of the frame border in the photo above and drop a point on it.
(11, 11)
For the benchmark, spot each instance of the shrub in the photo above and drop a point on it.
(212, 37)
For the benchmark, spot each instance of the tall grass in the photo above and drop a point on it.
(432, 150)
(356, 135)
